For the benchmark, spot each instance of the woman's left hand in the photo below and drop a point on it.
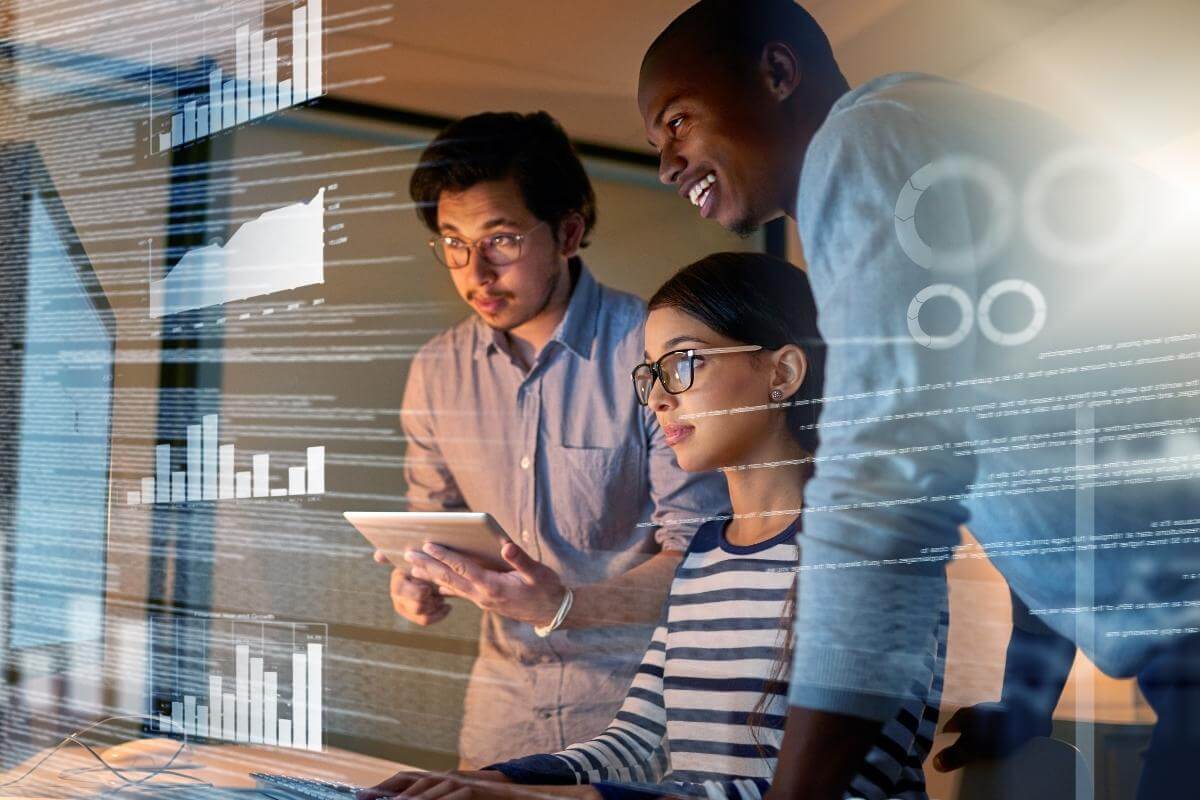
(471, 786)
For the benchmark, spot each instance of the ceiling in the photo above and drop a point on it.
(1117, 69)
(579, 59)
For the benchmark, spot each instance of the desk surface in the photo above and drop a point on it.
(224, 765)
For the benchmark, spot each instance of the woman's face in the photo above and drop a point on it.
(721, 382)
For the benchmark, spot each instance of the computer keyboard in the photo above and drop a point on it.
(285, 786)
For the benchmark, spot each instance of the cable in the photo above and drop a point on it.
(120, 772)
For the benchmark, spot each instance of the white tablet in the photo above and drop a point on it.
(475, 535)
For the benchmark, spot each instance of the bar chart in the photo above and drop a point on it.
(242, 679)
(248, 86)
(208, 471)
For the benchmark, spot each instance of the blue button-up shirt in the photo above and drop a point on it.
(1054, 412)
(569, 464)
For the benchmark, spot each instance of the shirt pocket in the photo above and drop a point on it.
(599, 493)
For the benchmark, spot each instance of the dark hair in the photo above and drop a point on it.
(760, 299)
(532, 149)
(757, 299)
(736, 31)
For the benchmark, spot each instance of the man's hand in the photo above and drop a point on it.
(988, 731)
(415, 599)
(820, 754)
(531, 592)
(413, 784)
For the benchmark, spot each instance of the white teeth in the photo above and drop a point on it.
(699, 190)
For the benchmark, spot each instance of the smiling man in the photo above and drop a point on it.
(524, 411)
(976, 266)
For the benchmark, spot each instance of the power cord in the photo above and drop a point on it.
(122, 773)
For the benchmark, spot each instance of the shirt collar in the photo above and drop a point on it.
(577, 329)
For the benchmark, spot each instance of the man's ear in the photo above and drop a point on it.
(780, 70)
(570, 234)
(790, 367)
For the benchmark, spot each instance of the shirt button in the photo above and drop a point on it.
(525, 536)
(524, 462)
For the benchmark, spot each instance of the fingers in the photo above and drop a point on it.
(424, 785)
(435, 617)
(391, 787)
(417, 600)
(379, 557)
(953, 757)
(417, 572)
(529, 569)
(461, 565)
(956, 755)
(444, 568)
(955, 723)
(436, 789)
(458, 786)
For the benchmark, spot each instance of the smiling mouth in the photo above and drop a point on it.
(700, 193)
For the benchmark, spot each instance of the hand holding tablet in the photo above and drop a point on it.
(475, 535)
(463, 555)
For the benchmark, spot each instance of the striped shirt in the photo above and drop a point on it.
(688, 725)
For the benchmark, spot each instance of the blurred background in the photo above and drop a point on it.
(116, 369)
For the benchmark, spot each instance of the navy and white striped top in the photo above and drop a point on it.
(686, 725)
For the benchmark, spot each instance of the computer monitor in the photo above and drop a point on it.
(57, 337)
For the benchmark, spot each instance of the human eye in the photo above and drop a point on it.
(453, 242)
(503, 240)
(675, 123)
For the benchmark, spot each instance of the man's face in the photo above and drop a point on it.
(717, 136)
(504, 297)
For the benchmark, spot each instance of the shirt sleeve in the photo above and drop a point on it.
(431, 485)
(887, 484)
(632, 748)
(682, 501)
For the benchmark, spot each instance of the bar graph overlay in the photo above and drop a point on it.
(208, 471)
(251, 64)
(276, 251)
(238, 679)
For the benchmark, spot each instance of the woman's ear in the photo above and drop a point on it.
(790, 366)
(570, 234)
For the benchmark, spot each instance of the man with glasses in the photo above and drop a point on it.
(525, 411)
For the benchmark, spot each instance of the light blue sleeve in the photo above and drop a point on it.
(431, 486)
(868, 600)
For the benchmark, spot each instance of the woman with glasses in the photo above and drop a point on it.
(733, 371)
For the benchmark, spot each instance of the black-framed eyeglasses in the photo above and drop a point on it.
(499, 249)
(676, 370)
